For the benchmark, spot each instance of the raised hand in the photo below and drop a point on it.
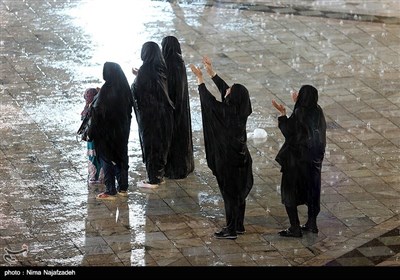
(198, 73)
(279, 107)
(208, 65)
(196, 70)
(295, 95)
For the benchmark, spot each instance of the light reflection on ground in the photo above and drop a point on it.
(117, 29)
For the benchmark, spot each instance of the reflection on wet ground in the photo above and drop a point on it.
(52, 51)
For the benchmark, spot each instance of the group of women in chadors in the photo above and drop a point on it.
(159, 96)
(161, 104)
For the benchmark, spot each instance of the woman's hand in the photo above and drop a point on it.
(198, 73)
(279, 107)
(295, 95)
(208, 65)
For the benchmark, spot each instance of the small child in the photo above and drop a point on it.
(95, 170)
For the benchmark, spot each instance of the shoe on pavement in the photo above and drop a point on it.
(225, 234)
(311, 229)
(290, 233)
(147, 185)
(238, 231)
(123, 193)
(106, 196)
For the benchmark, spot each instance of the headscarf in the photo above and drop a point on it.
(239, 97)
(308, 97)
(89, 95)
(309, 117)
(171, 48)
(153, 68)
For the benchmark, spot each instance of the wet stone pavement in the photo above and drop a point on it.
(51, 51)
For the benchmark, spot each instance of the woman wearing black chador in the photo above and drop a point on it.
(225, 140)
(180, 160)
(110, 127)
(301, 158)
(154, 113)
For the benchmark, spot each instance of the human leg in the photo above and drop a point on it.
(109, 178)
(240, 217)
(228, 232)
(313, 198)
(294, 230)
(122, 175)
(91, 173)
(92, 170)
(155, 172)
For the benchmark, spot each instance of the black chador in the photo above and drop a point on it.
(110, 127)
(301, 159)
(154, 111)
(180, 157)
(225, 140)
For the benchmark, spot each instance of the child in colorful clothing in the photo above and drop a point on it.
(95, 170)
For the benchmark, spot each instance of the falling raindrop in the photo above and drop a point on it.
(327, 154)
(116, 215)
